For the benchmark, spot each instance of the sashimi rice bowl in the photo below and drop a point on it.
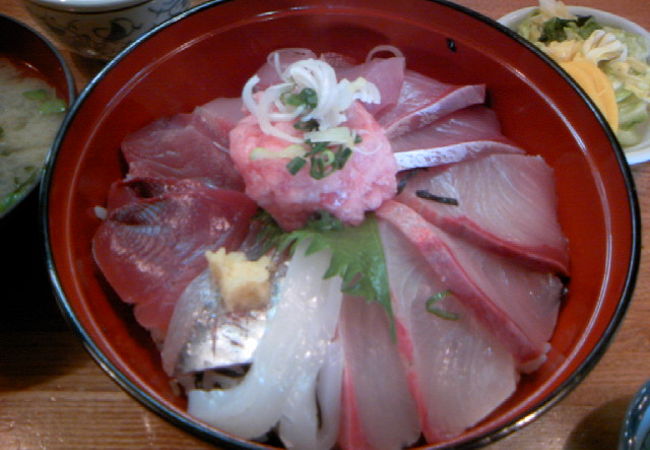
(340, 225)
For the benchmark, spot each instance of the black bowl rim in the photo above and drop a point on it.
(216, 436)
(72, 93)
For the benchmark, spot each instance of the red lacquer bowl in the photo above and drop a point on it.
(211, 50)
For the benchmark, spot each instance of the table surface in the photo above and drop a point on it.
(54, 396)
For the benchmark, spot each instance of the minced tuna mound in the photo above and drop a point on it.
(364, 183)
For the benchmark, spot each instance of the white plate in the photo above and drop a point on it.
(635, 154)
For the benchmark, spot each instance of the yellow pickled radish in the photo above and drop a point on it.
(596, 85)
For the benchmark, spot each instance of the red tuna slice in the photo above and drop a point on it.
(217, 117)
(149, 249)
(506, 203)
(126, 191)
(468, 133)
(458, 372)
(179, 147)
(387, 74)
(423, 100)
(366, 180)
(517, 305)
(378, 410)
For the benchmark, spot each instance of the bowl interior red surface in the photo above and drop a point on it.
(211, 53)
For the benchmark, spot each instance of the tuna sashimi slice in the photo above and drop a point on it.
(506, 203)
(138, 188)
(386, 73)
(217, 117)
(293, 350)
(423, 100)
(518, 305)
(378, 409)
(468, 133)
(142, 244)
(181, 147)
(366, 180)
(458, 372)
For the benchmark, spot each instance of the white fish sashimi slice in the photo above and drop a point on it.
(518, 305)
(312, 399)
(423, 100)
(379, 411)
(292, 349)
(459, 373)
(437, 156)
(506, 203)
(465, 134)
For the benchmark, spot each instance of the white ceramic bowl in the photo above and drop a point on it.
(101, 28)
(635, 154)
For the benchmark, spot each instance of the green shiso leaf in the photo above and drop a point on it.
(357, 254)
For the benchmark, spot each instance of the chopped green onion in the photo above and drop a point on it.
(53, 106)
(39, 95)
(430, 305)
(342, 157)
(296, 164)
(48, 103)
(317, 169)
(306, 97)
(307, 125)
(328, 157)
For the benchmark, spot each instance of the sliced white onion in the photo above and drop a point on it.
(333, 97)
(384, 48)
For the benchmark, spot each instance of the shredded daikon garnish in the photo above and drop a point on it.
(311, 96)
(333, 98)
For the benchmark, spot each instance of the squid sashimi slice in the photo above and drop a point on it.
(179, 147)
(366, 180)
(386, 73)
(468, 133)
(506, 203)
(291, 352)
(518, 305)
(423, 100)
(141, 245)
(378, 409)
(459, 372)
(310, 418)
